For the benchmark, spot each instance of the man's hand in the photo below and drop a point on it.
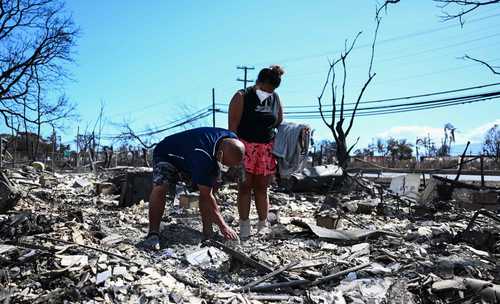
(210, 213)
(228, 233)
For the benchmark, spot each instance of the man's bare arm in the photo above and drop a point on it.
(207, 198)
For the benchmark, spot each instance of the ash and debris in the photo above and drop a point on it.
(64, 243)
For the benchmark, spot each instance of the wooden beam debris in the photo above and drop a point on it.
(267, 276)
(84, 246)
(241, 257)
(308, 283)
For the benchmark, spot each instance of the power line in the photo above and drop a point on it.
(143, 108)
(185, 117)
(384, 41)
(193, 119)
(410, 106)
(413, 109)
(399, 98)
(360, 112)
(171, 125)
(154, 132)
(398, 108)
(399, 57)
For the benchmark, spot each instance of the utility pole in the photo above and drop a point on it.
(78, 148)
(54, 143)
(213, 107)
(245, 80)
(16, 138)
(1, 153)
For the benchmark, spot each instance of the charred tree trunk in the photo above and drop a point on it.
(38, 130)
(341, 131)
(145, 156)
(342, 154)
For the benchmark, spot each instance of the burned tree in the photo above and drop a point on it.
(36, 39)
(338, 128)
(399, 149)
(491, 144)
(449, 139)
(128, 135)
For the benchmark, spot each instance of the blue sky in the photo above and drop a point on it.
(151, 64)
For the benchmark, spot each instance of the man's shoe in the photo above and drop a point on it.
(151, 242)
(263, 227)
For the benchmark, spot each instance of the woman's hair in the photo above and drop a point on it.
(271, 75)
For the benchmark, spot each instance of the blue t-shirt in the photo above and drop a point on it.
(193, 152)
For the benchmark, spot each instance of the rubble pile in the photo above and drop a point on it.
(67, 240)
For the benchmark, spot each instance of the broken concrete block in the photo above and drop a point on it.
(189, 200)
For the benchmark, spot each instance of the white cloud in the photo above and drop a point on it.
(477, 134)
(474, 135)
(411, 132)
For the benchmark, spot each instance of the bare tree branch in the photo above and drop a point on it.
(128, 134)
(330, 70)
(494, 69)
(352, 147)
(463, 6)
(36, 39)
(337, 127)
(334, 97)
(371, 75)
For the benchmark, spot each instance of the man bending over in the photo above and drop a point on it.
(201, 154)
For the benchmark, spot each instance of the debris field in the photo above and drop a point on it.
(69, 239)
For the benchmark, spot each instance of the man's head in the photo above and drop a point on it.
(230, 152)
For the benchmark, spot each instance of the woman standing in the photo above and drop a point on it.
(254, 114)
